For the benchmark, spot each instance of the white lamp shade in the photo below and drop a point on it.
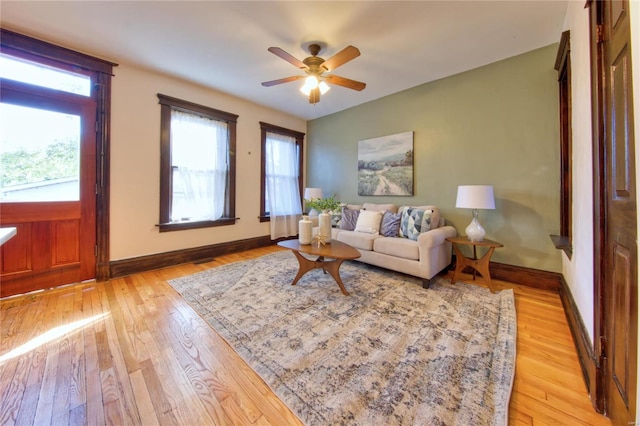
(312, 193)
(475, 197)
(324, 87)
(310, 83)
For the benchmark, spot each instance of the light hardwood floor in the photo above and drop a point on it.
(131, 351)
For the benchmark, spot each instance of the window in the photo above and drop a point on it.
(563, 66)
(39, 163)
(39, 74)
(197, 165)
(282, 166)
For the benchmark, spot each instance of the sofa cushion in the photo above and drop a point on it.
(380, 207)
(390, 226)
(349, 219)
(414, 221)
(369, 221)
(398, 247)
(359, 240)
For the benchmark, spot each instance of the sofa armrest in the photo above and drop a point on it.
(434, 250)
(437, 236)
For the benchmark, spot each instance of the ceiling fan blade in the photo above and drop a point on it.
(345, 82)
(282, 80)
(287, 57)
(343, 56)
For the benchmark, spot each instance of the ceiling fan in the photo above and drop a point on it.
(315, 67)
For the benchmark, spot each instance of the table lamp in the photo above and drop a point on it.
(475, 197)
(313, 194)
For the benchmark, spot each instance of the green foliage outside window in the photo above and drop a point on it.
(55, 161)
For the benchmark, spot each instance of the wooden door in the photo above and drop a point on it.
(56, 239)
(619, 286)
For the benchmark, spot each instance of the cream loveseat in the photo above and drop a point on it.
(421, 250)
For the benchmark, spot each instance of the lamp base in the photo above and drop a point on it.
(313, 215)
(475, 231)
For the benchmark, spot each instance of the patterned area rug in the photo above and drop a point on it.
(390, 353)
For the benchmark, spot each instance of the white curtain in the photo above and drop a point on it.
(199, 156)
(282, 189)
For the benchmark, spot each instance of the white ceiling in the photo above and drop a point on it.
(223, 44)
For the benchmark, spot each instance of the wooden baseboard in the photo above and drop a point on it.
(119, 268)
(526, 276)
(521, 275)
(584, 346)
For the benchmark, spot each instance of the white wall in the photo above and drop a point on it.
(135, 163)
(578, 272)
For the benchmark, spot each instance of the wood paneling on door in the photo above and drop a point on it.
(616, 252)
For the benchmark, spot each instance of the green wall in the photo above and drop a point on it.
(494, 125)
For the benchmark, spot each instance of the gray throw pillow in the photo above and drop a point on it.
(349, 219)
(390, 226)
(414, 221)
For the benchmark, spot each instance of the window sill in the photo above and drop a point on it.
(267, 218)
(182, 226)
(563, 243)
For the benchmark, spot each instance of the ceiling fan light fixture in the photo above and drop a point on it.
(314, 96)
(315, 66)
(324, 87)
(310, 83)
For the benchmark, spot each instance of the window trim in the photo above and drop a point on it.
(563, 66)
(167, 104)
(299, 137)
(51, 54)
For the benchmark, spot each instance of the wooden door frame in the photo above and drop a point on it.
(596, 21)
(103, 159)
(598, 393)
(104, 71)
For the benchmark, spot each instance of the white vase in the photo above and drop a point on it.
(324, 222)
(304, 230)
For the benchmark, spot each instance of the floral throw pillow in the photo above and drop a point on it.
(390, 226)
(349, 219)
(414, 221)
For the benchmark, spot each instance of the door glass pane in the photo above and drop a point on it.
(39, 155)
(41, 75)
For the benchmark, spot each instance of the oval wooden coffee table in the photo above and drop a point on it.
(334, 250)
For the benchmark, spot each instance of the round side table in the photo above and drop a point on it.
(479, 265)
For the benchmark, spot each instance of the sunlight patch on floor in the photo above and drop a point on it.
(50, 335)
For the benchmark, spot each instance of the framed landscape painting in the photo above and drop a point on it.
(385, 165)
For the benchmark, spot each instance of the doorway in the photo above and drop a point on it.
(54, 105)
